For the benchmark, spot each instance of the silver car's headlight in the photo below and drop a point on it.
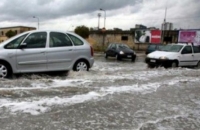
(163, 58)
(121, 52)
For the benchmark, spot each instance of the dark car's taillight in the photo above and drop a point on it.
(91, 51)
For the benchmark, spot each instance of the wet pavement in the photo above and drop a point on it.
(114, 95)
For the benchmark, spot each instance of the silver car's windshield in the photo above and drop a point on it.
(172, 48)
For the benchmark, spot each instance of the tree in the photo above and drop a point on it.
(83, 31)
(10, 33)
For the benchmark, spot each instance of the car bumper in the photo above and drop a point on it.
(158, 62)
(127, 56)
(91, 61)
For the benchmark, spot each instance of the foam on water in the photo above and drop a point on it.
(41, 105)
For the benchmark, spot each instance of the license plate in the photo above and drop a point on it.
(129, 56)
(153, 61)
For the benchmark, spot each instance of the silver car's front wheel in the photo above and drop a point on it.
(3, 71)
(81, 66)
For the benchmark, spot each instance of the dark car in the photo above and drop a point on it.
(153, 47)
(120, 51)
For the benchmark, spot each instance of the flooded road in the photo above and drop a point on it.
(113, 95)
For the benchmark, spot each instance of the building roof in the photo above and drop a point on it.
(17, 27)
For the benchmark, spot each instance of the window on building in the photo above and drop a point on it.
(124, 38)
(15, 31)
(2, 33)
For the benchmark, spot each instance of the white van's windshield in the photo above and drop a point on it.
(172, 48)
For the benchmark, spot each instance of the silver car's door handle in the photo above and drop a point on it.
(42, 52)
(70, 50)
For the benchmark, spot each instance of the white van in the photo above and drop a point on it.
(174, 55)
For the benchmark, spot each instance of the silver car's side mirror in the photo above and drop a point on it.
(23, 45)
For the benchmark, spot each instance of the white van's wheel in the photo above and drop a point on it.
(174, 64)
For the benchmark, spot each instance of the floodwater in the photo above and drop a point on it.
(114, 95)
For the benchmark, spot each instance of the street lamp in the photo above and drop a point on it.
(99, 15)
(104, 17)
(38, 20)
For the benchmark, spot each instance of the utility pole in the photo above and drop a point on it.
(164, 25)
(104, 28)
(104, 17)
(99, 15)
(38, 21)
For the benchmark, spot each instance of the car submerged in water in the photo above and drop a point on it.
(120, 51)
(44, 51)
(174, 55)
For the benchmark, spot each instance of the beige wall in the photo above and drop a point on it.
(96, 40)
(18, 30)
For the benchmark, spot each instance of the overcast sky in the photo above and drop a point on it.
(124, 14)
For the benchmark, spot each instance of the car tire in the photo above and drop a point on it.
(198, 65)
(81, 65)
(118, 57)
(106, 56)
(151, 66)
(174, 64)
(5, 70)
(133, 58)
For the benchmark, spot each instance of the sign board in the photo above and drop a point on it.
(189, 36)
(147, 36)
(155, 36)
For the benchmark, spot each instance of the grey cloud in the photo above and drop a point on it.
(20, 10)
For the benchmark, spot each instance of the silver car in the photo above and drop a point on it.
(43, 51)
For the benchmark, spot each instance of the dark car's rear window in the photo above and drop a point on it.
(152, 46)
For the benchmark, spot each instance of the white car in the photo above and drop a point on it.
(174, 55)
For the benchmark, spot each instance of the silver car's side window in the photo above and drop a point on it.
(36, 40)
(76, 40)
(59, 40)
(14, 44)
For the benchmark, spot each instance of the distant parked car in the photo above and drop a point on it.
(153, 47)
(174, 55)
(43, 51)
(120, 51)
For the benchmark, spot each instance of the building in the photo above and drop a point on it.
(152, 28)
(16, 29)
(140, 26)
(167, 26)
(100, 40)
(170, 36)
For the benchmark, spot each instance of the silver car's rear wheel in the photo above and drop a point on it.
(81, 66)
(3, 71)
